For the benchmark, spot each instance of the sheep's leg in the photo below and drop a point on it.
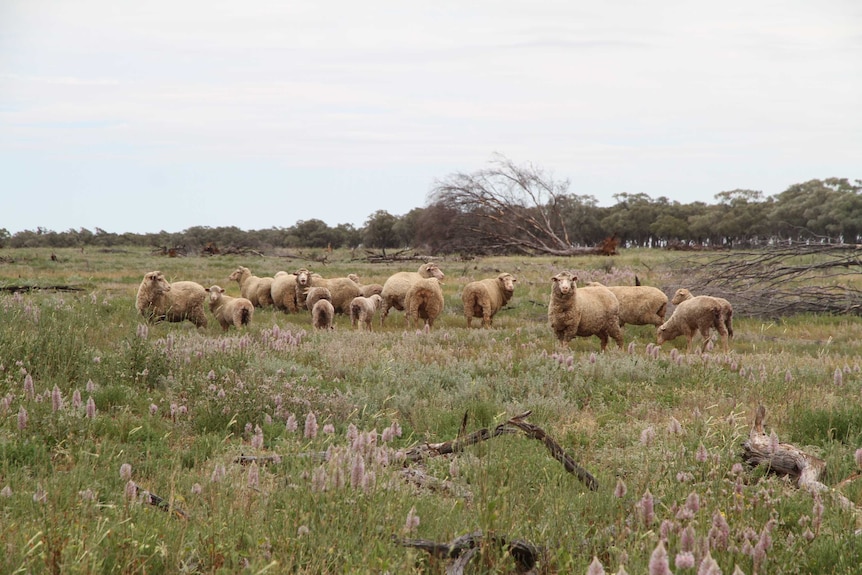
(603, 337)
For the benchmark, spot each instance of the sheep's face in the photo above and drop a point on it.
(158, 283)
(680, 296)
(302, 277)
(376, 300)
(564, 283)
(661, 334)
(237, 274)
(215, 293)
(508, 282)
(431, 270)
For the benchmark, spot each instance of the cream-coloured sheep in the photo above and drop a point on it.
(639, 305)
(283, 291)
(424, 300)
(256, 289)
(315, 294)
(590, 310)
(322, 314)
(683, 294)
(484, 298)
(395, 287)
(367, 290)
(159, 300)
(228, 310)
(698, 314)
(362, 310)
(343, 289)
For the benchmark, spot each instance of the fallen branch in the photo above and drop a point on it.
(463, 548)
(421, 479)
(512, 425)
(164, 505)
(786, 459)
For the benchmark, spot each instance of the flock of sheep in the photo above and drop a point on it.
(591, 310)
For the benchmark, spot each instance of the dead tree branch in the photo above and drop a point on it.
(779, 281)
(513, 425)
(463, 549)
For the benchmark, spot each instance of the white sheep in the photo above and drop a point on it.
(698, 314)
(639, 305)
(315, 294)
(256, 289)
(342, 289)
(424, 300)
(228, 310)
(591, 310)
(322, 314)
(159, 300)
(484, 298)
(362, 310)
(283, 291)
(683, 294)
(395, 287)
(367, 290)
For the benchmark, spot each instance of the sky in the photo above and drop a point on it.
(163, 115)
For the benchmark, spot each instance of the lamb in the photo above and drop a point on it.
(228, 310)
(424, 300)
(698, 314)
(256, 289)
(639, 305)
(159, 300)
(343, 289)
(366, 290)
(484, 298)
(362, 310)
(322, 314)
(591, 310)
(683, 294)
(395, 287)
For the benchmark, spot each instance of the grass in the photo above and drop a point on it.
(660, 430)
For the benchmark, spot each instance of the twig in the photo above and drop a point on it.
(525, 554)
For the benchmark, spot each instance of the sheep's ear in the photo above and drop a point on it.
(574, 278)
(206, 289)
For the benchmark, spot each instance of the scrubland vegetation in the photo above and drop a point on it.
(102, 417)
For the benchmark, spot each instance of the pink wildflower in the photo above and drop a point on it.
(702, 455)
(674, 426)
(658, 561)
(596, 567)
(153, 408)
(22, 418)
(197, 489)
(76, 399)
(253, 475)
(357, 472)
(684, 560)
(858, 457)
(290, 424)
(328, 429)
(647, 436)
(91, 408)
(29, 388)
(257, 438)
(310, 425)
(6, 492)
(131, 490)
(125, 472)
(838, 377)
(647, 508)
(412, 521)
(620, 490)
(218, 473)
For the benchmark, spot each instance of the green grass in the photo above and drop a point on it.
(179, 405)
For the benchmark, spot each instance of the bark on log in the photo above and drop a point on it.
(525, 554)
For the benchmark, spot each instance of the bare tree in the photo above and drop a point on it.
(509, 208)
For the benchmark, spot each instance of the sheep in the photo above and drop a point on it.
(683, 294)
(315, 294)
(424, 299)
(366, 290)
(322, 314)
(698, 314)
(283, 291)
(591, 310)
(228, 310)
(395, 287)
(484, 298)
(343, 289)
(256, 289)
(159, 300)
(362, 310)
(639, 305)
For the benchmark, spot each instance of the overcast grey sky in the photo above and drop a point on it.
(167, 114)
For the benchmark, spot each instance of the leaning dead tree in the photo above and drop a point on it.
(510, 208)
(780, 280)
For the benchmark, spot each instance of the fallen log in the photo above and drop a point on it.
(463, 548)
(761, 449)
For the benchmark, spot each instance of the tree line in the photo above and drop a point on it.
(513, 209)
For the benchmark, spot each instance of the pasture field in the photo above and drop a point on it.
(103, 417)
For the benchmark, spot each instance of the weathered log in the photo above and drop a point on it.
(463, 548)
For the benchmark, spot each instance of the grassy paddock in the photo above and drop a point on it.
(95, 410)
